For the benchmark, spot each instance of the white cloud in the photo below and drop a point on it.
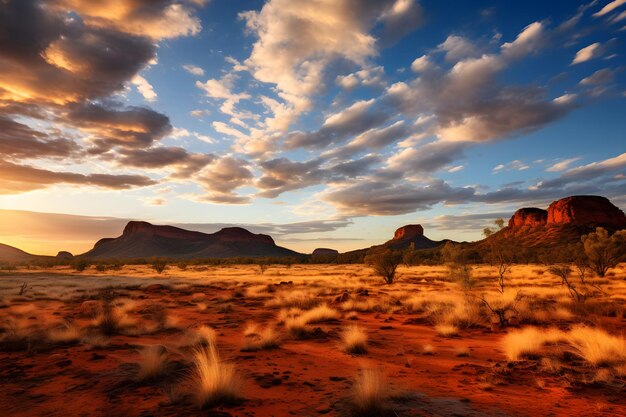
(222, 127)
(194, 70)
(144, 88)
(458, 47)
(421, 64)
(587, 53)
(562, 165)
(297, 40)
(609, 7)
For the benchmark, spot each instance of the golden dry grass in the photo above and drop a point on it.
(370, 392)
(153, 362)
(354, 340)
(213, 381)
(256, 338)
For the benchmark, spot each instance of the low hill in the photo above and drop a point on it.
(144, 240)
(11, 254)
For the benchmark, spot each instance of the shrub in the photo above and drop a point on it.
(385, 264)
(81, 265)
(159, 264)
(604, 251)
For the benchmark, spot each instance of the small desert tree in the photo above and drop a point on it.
(385, 263)
(457, 261)
(578, 293)
(501, 251)
(409, 257)
(604, 251)
(159, 264)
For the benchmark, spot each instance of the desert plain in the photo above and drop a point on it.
(309, 340)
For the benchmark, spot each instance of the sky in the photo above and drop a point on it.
(326, 123)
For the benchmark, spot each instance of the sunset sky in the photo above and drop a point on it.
(321, 122)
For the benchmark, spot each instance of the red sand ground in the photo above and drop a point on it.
(300, 378)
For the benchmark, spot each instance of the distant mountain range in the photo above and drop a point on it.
(562, 223)
(144, 240)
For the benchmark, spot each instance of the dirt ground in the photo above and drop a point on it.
(467, 373)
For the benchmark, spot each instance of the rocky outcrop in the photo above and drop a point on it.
(408, 232)
(64, 255)
(325, 252)
(529, 216)
(586, 210)
(143, 240)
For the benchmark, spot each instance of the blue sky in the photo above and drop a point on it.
(327, 123)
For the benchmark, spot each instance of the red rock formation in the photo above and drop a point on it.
(238, 234)
(587, 210)
(325, 252)
(408, 232)
(529, 216)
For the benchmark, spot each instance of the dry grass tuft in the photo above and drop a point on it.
(260, 339)
(354, 340)
(370, 392)
(446, 330)
(69, 333)
(213, 381)
(153, 362)
(320, 313)
(529, 342)
(202, 336)
(597, 347)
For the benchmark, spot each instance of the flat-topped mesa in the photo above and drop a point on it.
(588, 210)
(408, 232)
(529, 216)
(134, 228)
(237, 234)
(325, 252)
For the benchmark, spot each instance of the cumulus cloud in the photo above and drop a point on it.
(157, 19)
(375, 138)
(297, 40)
(281, 175)
(185, 163)
(357, 118)
(427, 158)
(369, 77)
(457, 48)
(110, 126)
(222, 177)
(468, 101)
(421, 64)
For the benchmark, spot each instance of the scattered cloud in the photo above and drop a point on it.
(194, 70)
(588, 53)
(144, 88)
(562, 165)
